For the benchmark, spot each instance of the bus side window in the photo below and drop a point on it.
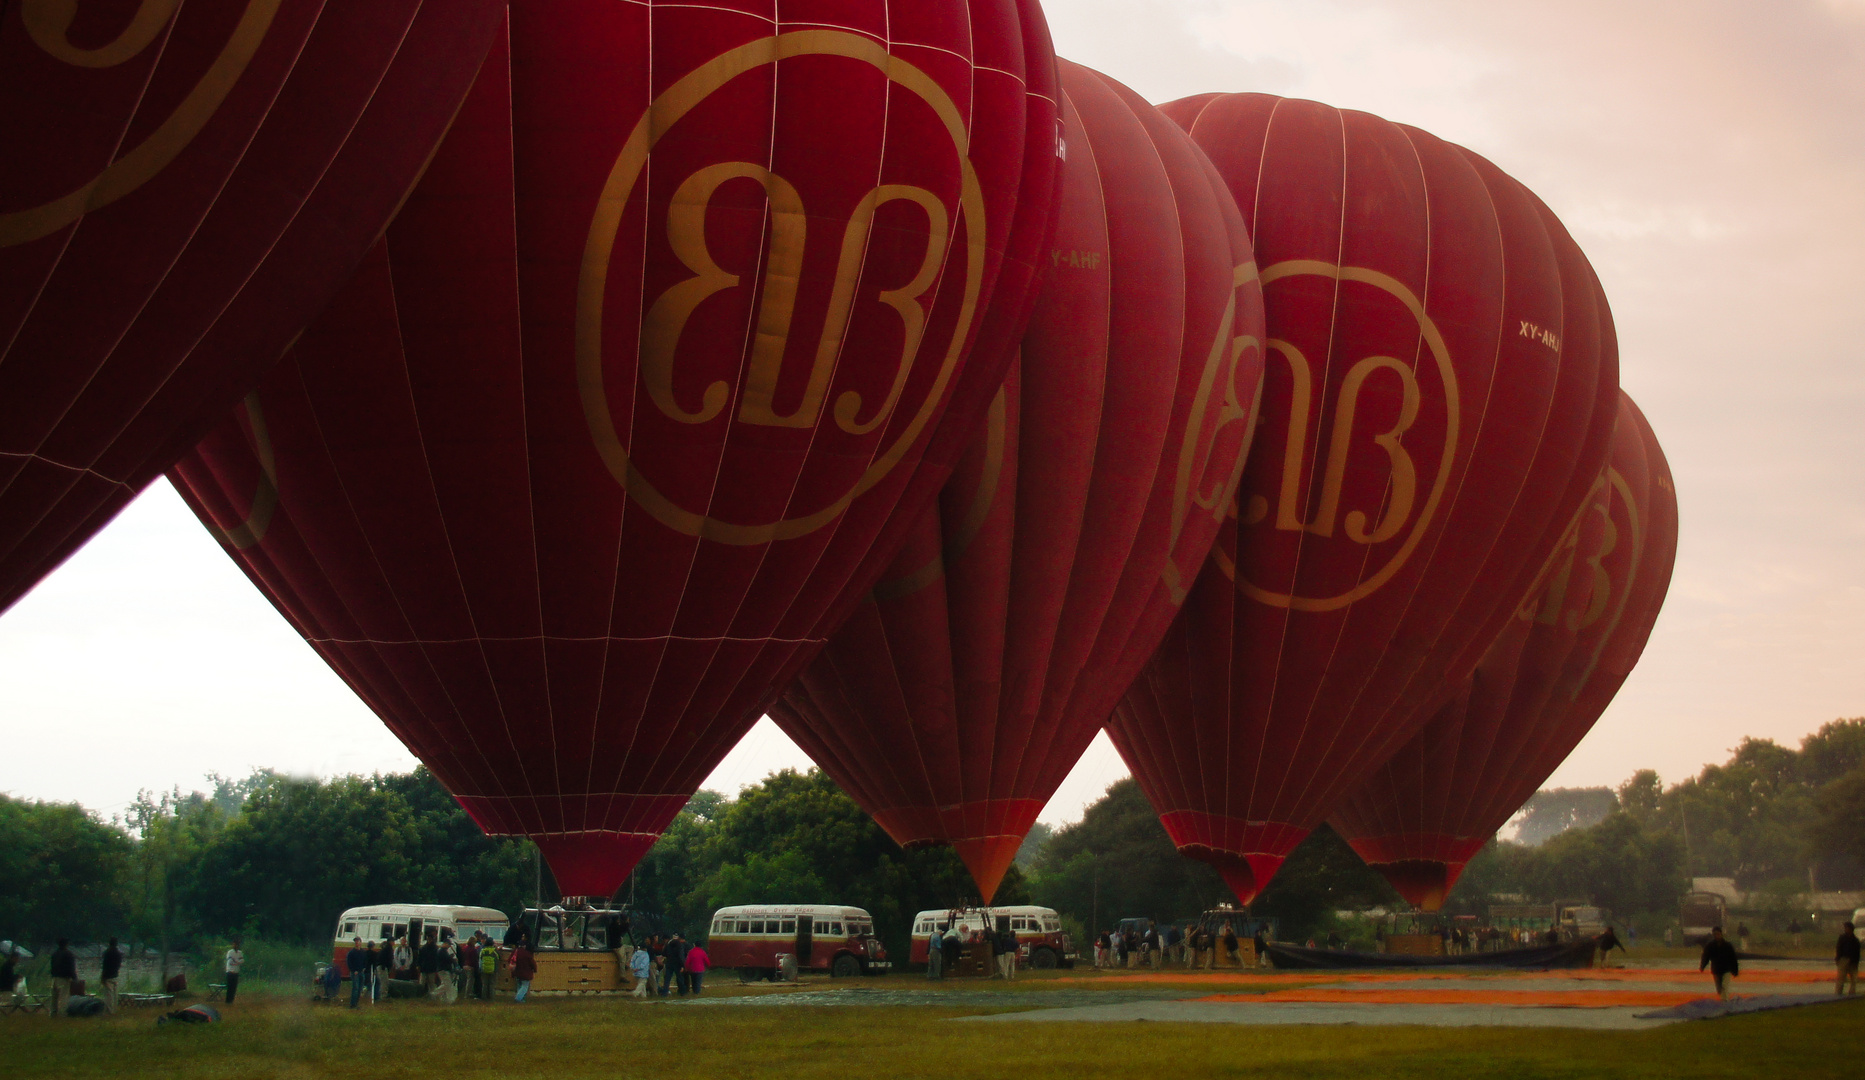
(349, 928)
(718, 926)
(757, 926)
(789, 927)
(835, 929)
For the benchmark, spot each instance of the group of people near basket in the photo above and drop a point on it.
(660, 966)
(447, 969)
(1194, 945)
(947, 946)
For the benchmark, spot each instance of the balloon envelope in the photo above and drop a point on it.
(566, 481)
(1538, 690)
(182, 188)
(1437, 399)
(958, 696)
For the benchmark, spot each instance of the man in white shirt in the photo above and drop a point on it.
(234, 959)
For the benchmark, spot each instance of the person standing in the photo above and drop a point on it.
(488, 967)
(950, 945)
(236, 959)
(427, 963)
(641, 964)
(63, 969)
(1607, 942)
(403, 958)
(357, 961)
(1793, 928)
(378, 970)
(673, 971)
(452, 971)
(935, 956)
(107, 974)
(621, 940)
(695, 964)
(1720, 957)
(469, 967)
(524, 969)
(12, 984)
(1259, 943)
(1741, 936)
(1846, 960)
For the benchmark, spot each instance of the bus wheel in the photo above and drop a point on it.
(750, 974)
(1043, 958)
(845, 967)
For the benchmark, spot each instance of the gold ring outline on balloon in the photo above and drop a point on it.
(1225, 348)
(1441, 354)
(982, 500)
(1634, 518)
(1536, 602)
(592, 283)
(265, 496)
(155, 153)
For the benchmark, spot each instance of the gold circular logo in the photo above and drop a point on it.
(1288, 513)
(665, 319)
(48, 22)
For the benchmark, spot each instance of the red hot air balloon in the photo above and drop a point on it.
(182, 188)
(1539, 689)
(565, 480)
(1437, 398)
(955, 700)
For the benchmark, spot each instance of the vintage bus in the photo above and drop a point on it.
(838, 940)
(1040, 940)
(383, 923)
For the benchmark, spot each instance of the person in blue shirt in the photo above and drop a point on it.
(641, 966)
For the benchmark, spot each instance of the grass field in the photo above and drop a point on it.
(274, 1035)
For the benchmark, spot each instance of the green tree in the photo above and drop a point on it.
(1618, 864)
(1838, 828)
(1117, 862)
(1553, 811)
(1748, 818)
(303, 850)
(1322, 875)
(452, 857)
(62, 872)
(172, 833)
(1031, 850)
(1642, 796)
(799, 836)
(1833, 751)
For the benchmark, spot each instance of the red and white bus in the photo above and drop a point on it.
(1040, 940)
(383, 923)
(838, 940)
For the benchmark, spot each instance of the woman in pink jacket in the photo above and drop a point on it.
(696, 964)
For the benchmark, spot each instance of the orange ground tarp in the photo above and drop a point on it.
(1575, 999)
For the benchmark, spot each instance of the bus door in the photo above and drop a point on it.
(414, 935)
(806, 925)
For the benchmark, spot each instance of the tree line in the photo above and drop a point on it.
(280, 857)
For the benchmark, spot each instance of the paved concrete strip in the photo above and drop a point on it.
(1278, 1013)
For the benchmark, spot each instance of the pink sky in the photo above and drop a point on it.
(1708, 155)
